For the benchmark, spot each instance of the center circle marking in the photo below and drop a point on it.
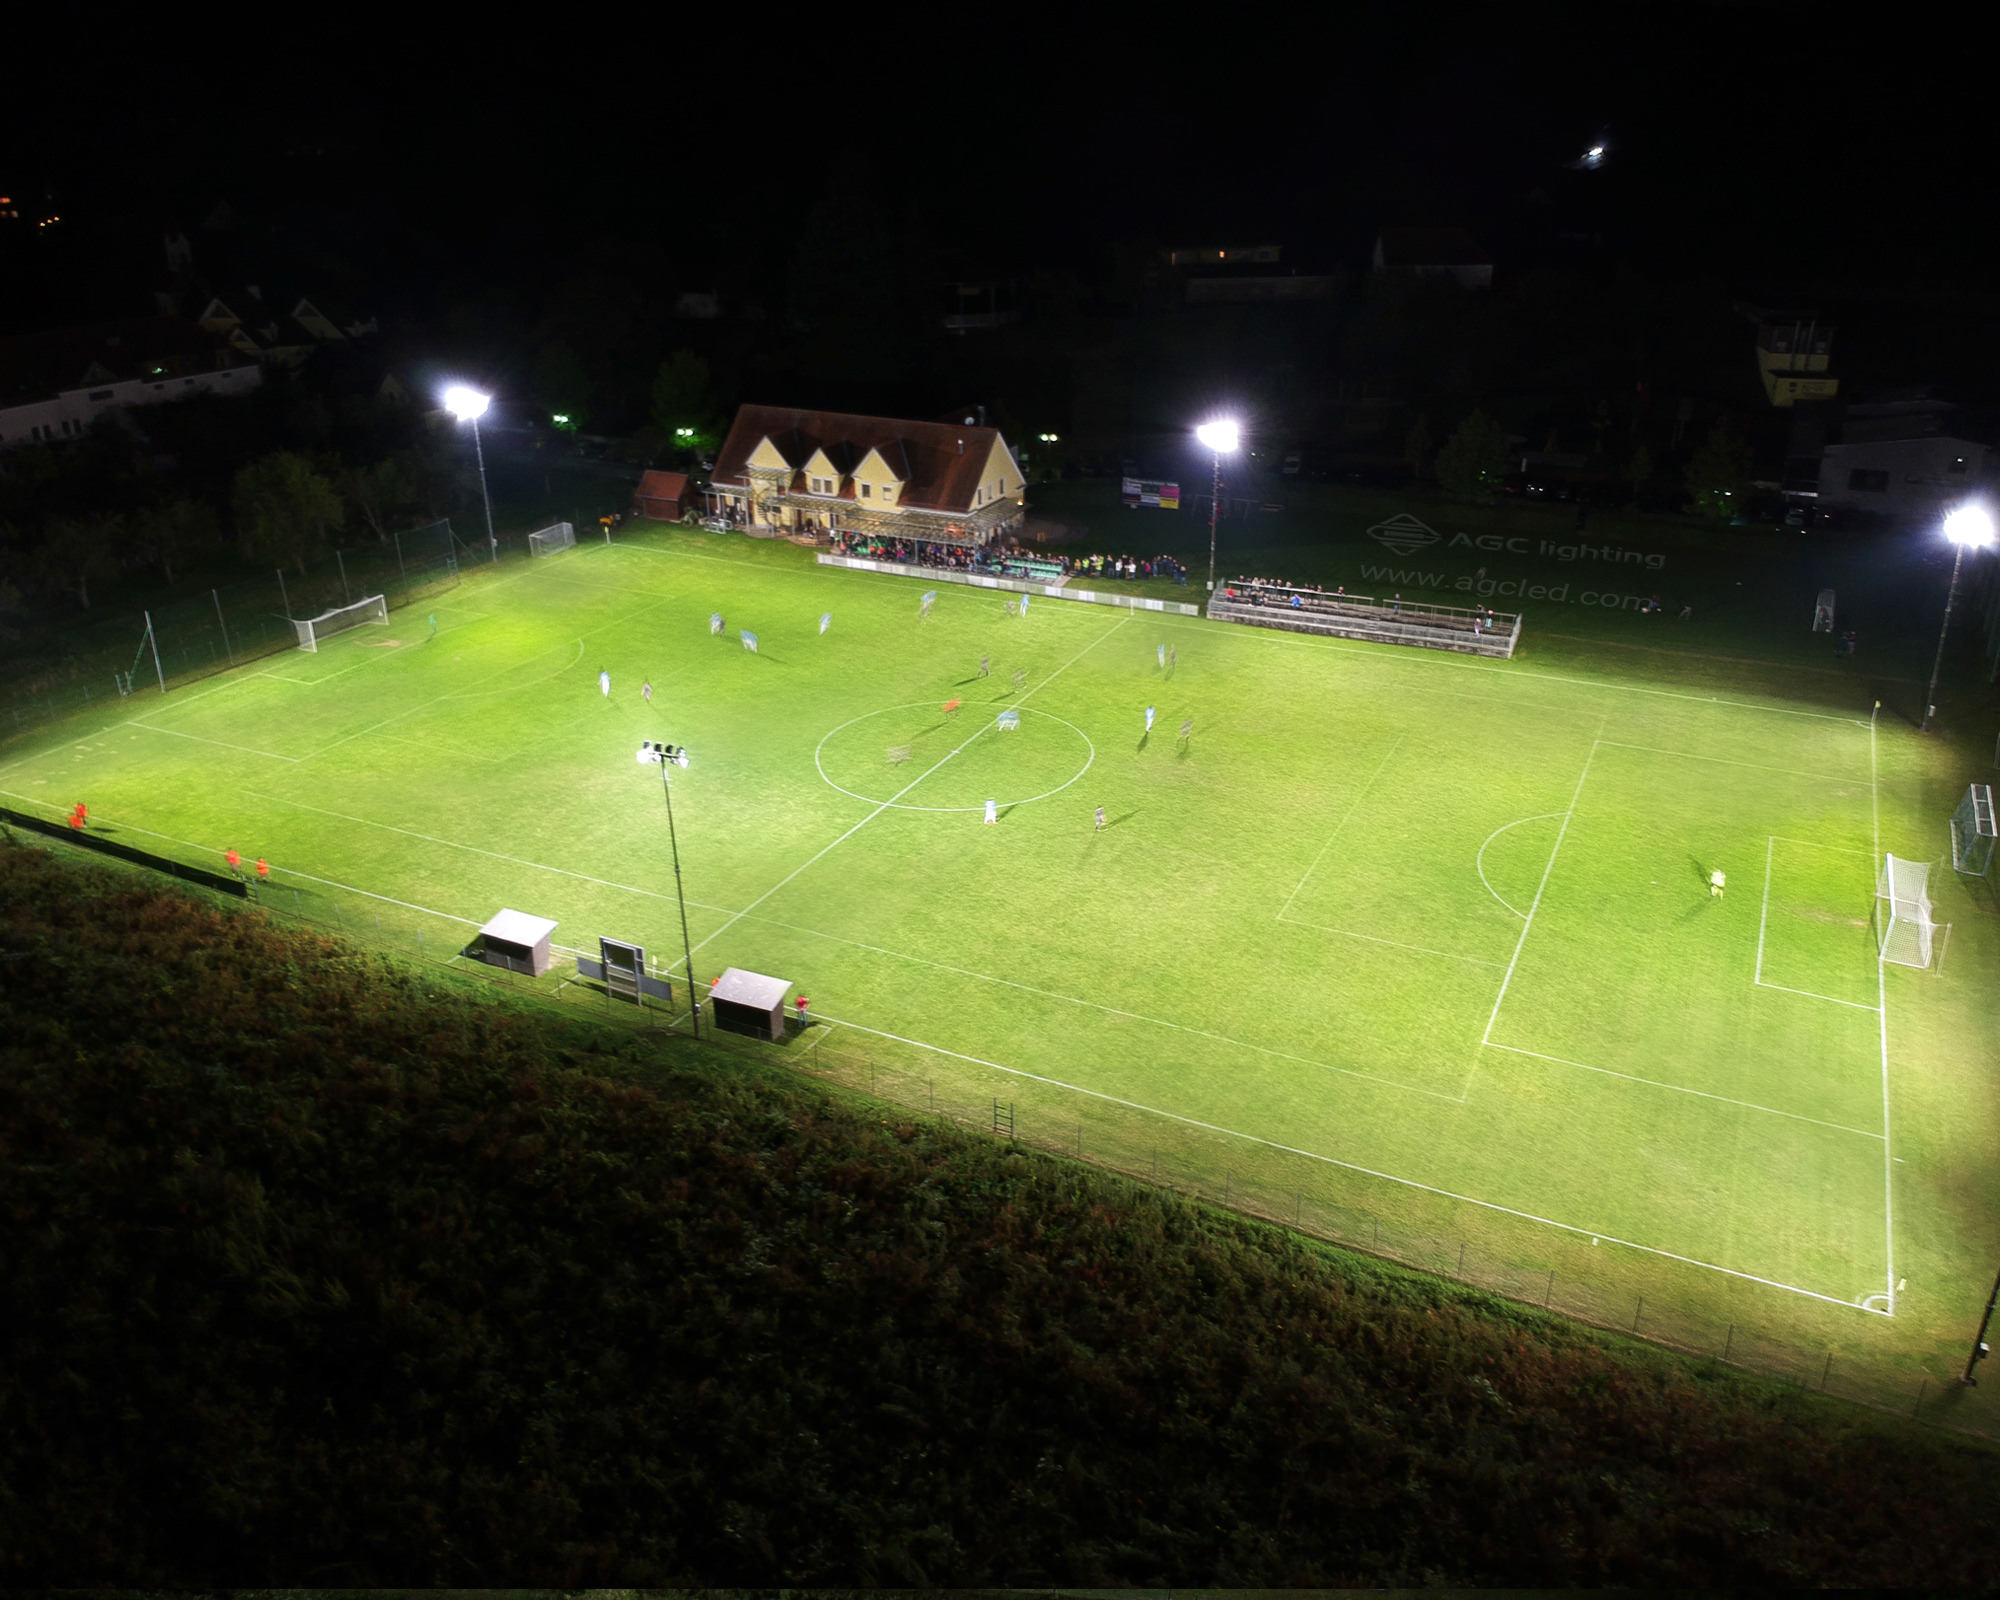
(991, 728)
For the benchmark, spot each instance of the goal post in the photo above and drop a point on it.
(547, 541)
(311, 630)
(1972, 832)
(1903, 912)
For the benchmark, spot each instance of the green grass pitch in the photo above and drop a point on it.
(1438, 923)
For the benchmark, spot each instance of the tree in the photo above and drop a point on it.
(1718, 475)
(685, 407)
(1640, 469)
(285, 509)
(1474, 459)
(171, 532)
(76, 550)
(562, 385)
(1418, 448)
(380, 493)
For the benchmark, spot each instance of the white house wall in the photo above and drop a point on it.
(70, 414)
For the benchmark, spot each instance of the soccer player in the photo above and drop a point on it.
(646, 691)
(234, 859)
(951, 708)
(76, 818)
(1715, 884)
(1173, 656)
(985, 666)
(1100, 819)
(604, 682)
(802, 1002)
(1187, 730)
(1020, 678)
(434, 624)
(263, 870)
(1160, 655)
(1149, 719)
(992, 811)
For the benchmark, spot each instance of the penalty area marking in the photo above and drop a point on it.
(923, 705)
(1479, 861)
(1594, 1234)
(1771, 842)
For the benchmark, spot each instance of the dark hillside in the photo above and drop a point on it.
(322, 1270)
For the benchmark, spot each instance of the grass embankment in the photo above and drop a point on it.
(322, 1270)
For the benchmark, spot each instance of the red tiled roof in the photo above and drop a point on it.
(662, 486)
(941, 464)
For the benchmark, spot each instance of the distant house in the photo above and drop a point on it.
(53, 386)
(270, 337)
(1434, 253)
(1902, 458)
(1794, 352)
(782, 470)
(663, 496)
(328, 320)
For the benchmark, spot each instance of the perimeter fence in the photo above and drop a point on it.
(104, 659)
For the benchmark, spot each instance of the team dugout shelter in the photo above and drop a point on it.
(822, 473)
(750, 1003)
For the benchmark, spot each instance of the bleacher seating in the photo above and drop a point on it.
(1468, 630)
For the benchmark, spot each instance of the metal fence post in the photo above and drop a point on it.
(1921, 1390)
(1461, 1259)
(216, 595)
(1826, 1372)
(339, 561)
(1549, 1298)
(1378, 1234)
(405, 571)
(1729, 1342)
(1299, 1209)
(1641, 1306)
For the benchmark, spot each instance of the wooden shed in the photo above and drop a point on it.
(663, 496)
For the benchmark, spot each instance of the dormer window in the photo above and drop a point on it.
(864, 491)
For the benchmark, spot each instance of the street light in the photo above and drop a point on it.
(668, 756)
(1970, 526)
(469, 405)
(1220, 438)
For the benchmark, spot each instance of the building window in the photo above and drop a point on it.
(864, 491)
(1868, 481)
(99, 394)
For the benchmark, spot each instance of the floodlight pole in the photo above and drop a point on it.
(479, 455)
(1214, 507)
(1937, 666)
(1979, 1339)
(694, 997)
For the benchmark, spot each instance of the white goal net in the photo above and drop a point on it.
(1903, 912)
(547, 541)
(374, 609)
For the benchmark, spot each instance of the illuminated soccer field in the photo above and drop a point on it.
(1441, 923)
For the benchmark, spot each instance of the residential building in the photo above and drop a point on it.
(1434, 253)
(1794, 352)
(53, 386)
(782, 470)
(1900, 457)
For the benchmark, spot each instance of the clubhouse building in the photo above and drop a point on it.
(825, 474)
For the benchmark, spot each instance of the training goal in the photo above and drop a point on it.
(1903, 912)
(374, 609)
(1972, 832)
(547, 541)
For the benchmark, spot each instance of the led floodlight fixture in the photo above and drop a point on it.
(466, 403)
(1969, 525)
(1221, 437)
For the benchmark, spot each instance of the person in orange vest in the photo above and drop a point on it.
(235, 860)
(76, 818)
(803, 1002)
(263, 870)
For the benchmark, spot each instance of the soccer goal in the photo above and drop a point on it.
(1972, 831)
(374, 609)
(547, 541)
(1903, 912)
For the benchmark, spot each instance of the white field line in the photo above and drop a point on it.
(1882, 1020)
(1093, 1005)
(1830, 999)
(891, 801)
(1367, 1172)
(1347, 817)
(220, 744)
(1479, 861)
(1755, 766)
(1439, 660)
(453, 844)
(1772, 841)
(1747, 1105)
(1528, 923)
(1394, 944)
(1764, 916)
